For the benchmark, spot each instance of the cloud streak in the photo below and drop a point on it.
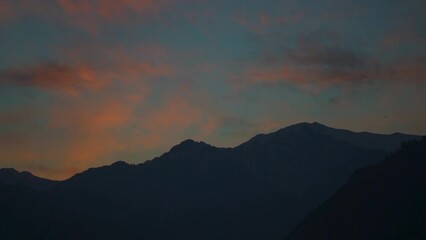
(51, 75)
(6, 12)
(75, 74)
(87, 15)
(321, 61)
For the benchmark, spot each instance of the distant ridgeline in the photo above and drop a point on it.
(260, 189)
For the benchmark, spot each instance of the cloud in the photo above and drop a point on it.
(69, 137)
(322, 60)
(74, 133)
(52, 75)
(78, 73)
(90, 121)
(87, 15)
(6, 12)
(110, 9)
(410, 69)
(313, 52)
(91, 130)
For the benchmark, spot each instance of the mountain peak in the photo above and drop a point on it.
(8, 171)
(189, 146)
(191, 142)
(299, 128)
(188, 141)
(303, 128)
(120, 164)
(308, 124)
(318, 124)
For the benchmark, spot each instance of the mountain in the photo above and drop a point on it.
(384, 201)
(194, 191)
(258, 190)
(10, 176)
(364, 139)
(311, 161)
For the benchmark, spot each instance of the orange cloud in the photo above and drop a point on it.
(91, 132)
(71, 136)
(49, 75)
(409, 70)
(110, 8)
(175, 116)
(6, 12)
(78, 74)
(94, 122)
(124, 64)
(110, 114)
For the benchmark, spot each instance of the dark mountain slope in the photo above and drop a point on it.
(304, 162)
(10, 176)
(386, 201)
(259, 190)
(366, 140)
(192, 192)
(301, 163)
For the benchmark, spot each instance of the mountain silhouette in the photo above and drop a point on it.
(311, 161)
(10, 176)
(384, 201)
(258, 190)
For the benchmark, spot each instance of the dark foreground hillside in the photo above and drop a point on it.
(386, 201)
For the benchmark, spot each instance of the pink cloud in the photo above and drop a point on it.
(6, 12)
(68, 79)
(78, 73)
(313, 77)
(80, 133)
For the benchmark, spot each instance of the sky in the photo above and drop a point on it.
(84, 83)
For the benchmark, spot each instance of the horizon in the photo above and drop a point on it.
(196, 141)
(84, 82)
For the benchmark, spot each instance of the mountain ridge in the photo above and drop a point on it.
(309, 125)
(277, 177)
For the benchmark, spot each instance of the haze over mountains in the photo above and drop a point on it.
(260, 189)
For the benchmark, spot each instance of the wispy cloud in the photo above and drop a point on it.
(51, 75)
(6, 12)
(87, 15)
(323, 60)
(76, 73)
